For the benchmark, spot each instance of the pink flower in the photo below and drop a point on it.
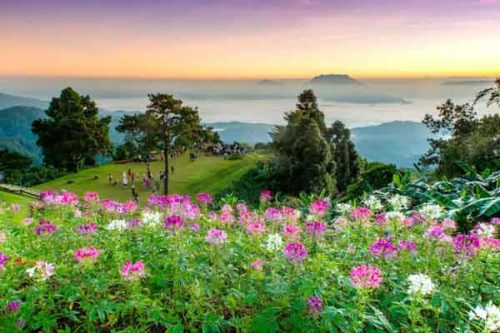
(173, 223)
(194, 227)
(380, 219)
(13, 306)
(45, 227)
(383, 248)
(406, 245)
(241, 208)
(466, 245)
(133, 271)
(316, 228)
(490, 243)
(3, 260)
(291, 231)
(315, 304)
(226, 217)
(91, 197)
(366, 276)
(435, 232)
(319, 207)
(87, 254)
(256, 227)
(27, 220)
(449, 224)
(67, 199)
(87, 228)
(295, 252)
(213, 216)
(205, 198)
(216, 236)
(15, 207)
(266, 195)
(361, 213)
(134, 223)
(273, 214)
(258, 264)
(290, 213)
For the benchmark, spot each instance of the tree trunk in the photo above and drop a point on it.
(165, 172)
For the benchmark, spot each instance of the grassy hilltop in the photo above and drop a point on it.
(206, 174)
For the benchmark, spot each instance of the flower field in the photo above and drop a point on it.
(189, 264)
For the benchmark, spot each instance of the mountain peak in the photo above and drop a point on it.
(334, 79)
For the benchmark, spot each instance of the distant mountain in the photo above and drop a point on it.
(16, 121)
(243, 132)
(334, 79)
(398, 142)
(22, 146)
(468, 82)
(267, 82)
(7, 101)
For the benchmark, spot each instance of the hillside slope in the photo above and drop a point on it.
(208, 174)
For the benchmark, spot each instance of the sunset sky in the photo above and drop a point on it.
(250, 39)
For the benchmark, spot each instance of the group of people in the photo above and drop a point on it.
(226, 149)
(129, 178)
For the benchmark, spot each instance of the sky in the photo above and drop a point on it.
(233, 39)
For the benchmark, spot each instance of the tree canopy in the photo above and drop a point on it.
(72, 131)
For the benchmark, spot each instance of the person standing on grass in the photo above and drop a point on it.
(124, 179)
(132, 177)
(110, 179)
(135, 195)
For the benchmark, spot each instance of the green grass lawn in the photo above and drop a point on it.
(7, 199)
(206, 174)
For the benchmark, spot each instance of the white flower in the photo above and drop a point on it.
(399, 202)
(394, 215)
(490, 315)
(119, 225)
(373, 203)
(432, 211)
(151, 218)
(3, 237)
(42, 270)
(344, 207)
(485, 230)
(274, 242)
(420, 284)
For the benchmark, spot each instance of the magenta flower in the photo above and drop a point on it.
(216, 236)
(316, 228)
(291, 231)
(366, 276)
(205, 198)
(383, 248)
(87, 228)
(13, 306)
(361, 213)
(466, 245)
(133, 271)
(3, 260)
(45, 227)
(87, 254)
(241, 208)
(273, 214)
(226, 217)
(296, 252)
(190, 211)
(315, 304)
(91, 197)
(406, 245)
(319, 207)
(48, 196)
(380, 219)
(266, 195)
(173, 223)
(256, 227)
(258, 264)
(67, 199)
(290, 213)
(490, 243)
(435, 232)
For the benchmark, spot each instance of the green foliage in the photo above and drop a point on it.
(72, 131)
(345, 156)
(464, 137)
(374, 175)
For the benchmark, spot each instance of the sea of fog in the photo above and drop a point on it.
(372, 101)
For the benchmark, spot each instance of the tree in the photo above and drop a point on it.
(463, 138)
(345, 155)
(72, 131)
(303, 157)
(493, 93)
